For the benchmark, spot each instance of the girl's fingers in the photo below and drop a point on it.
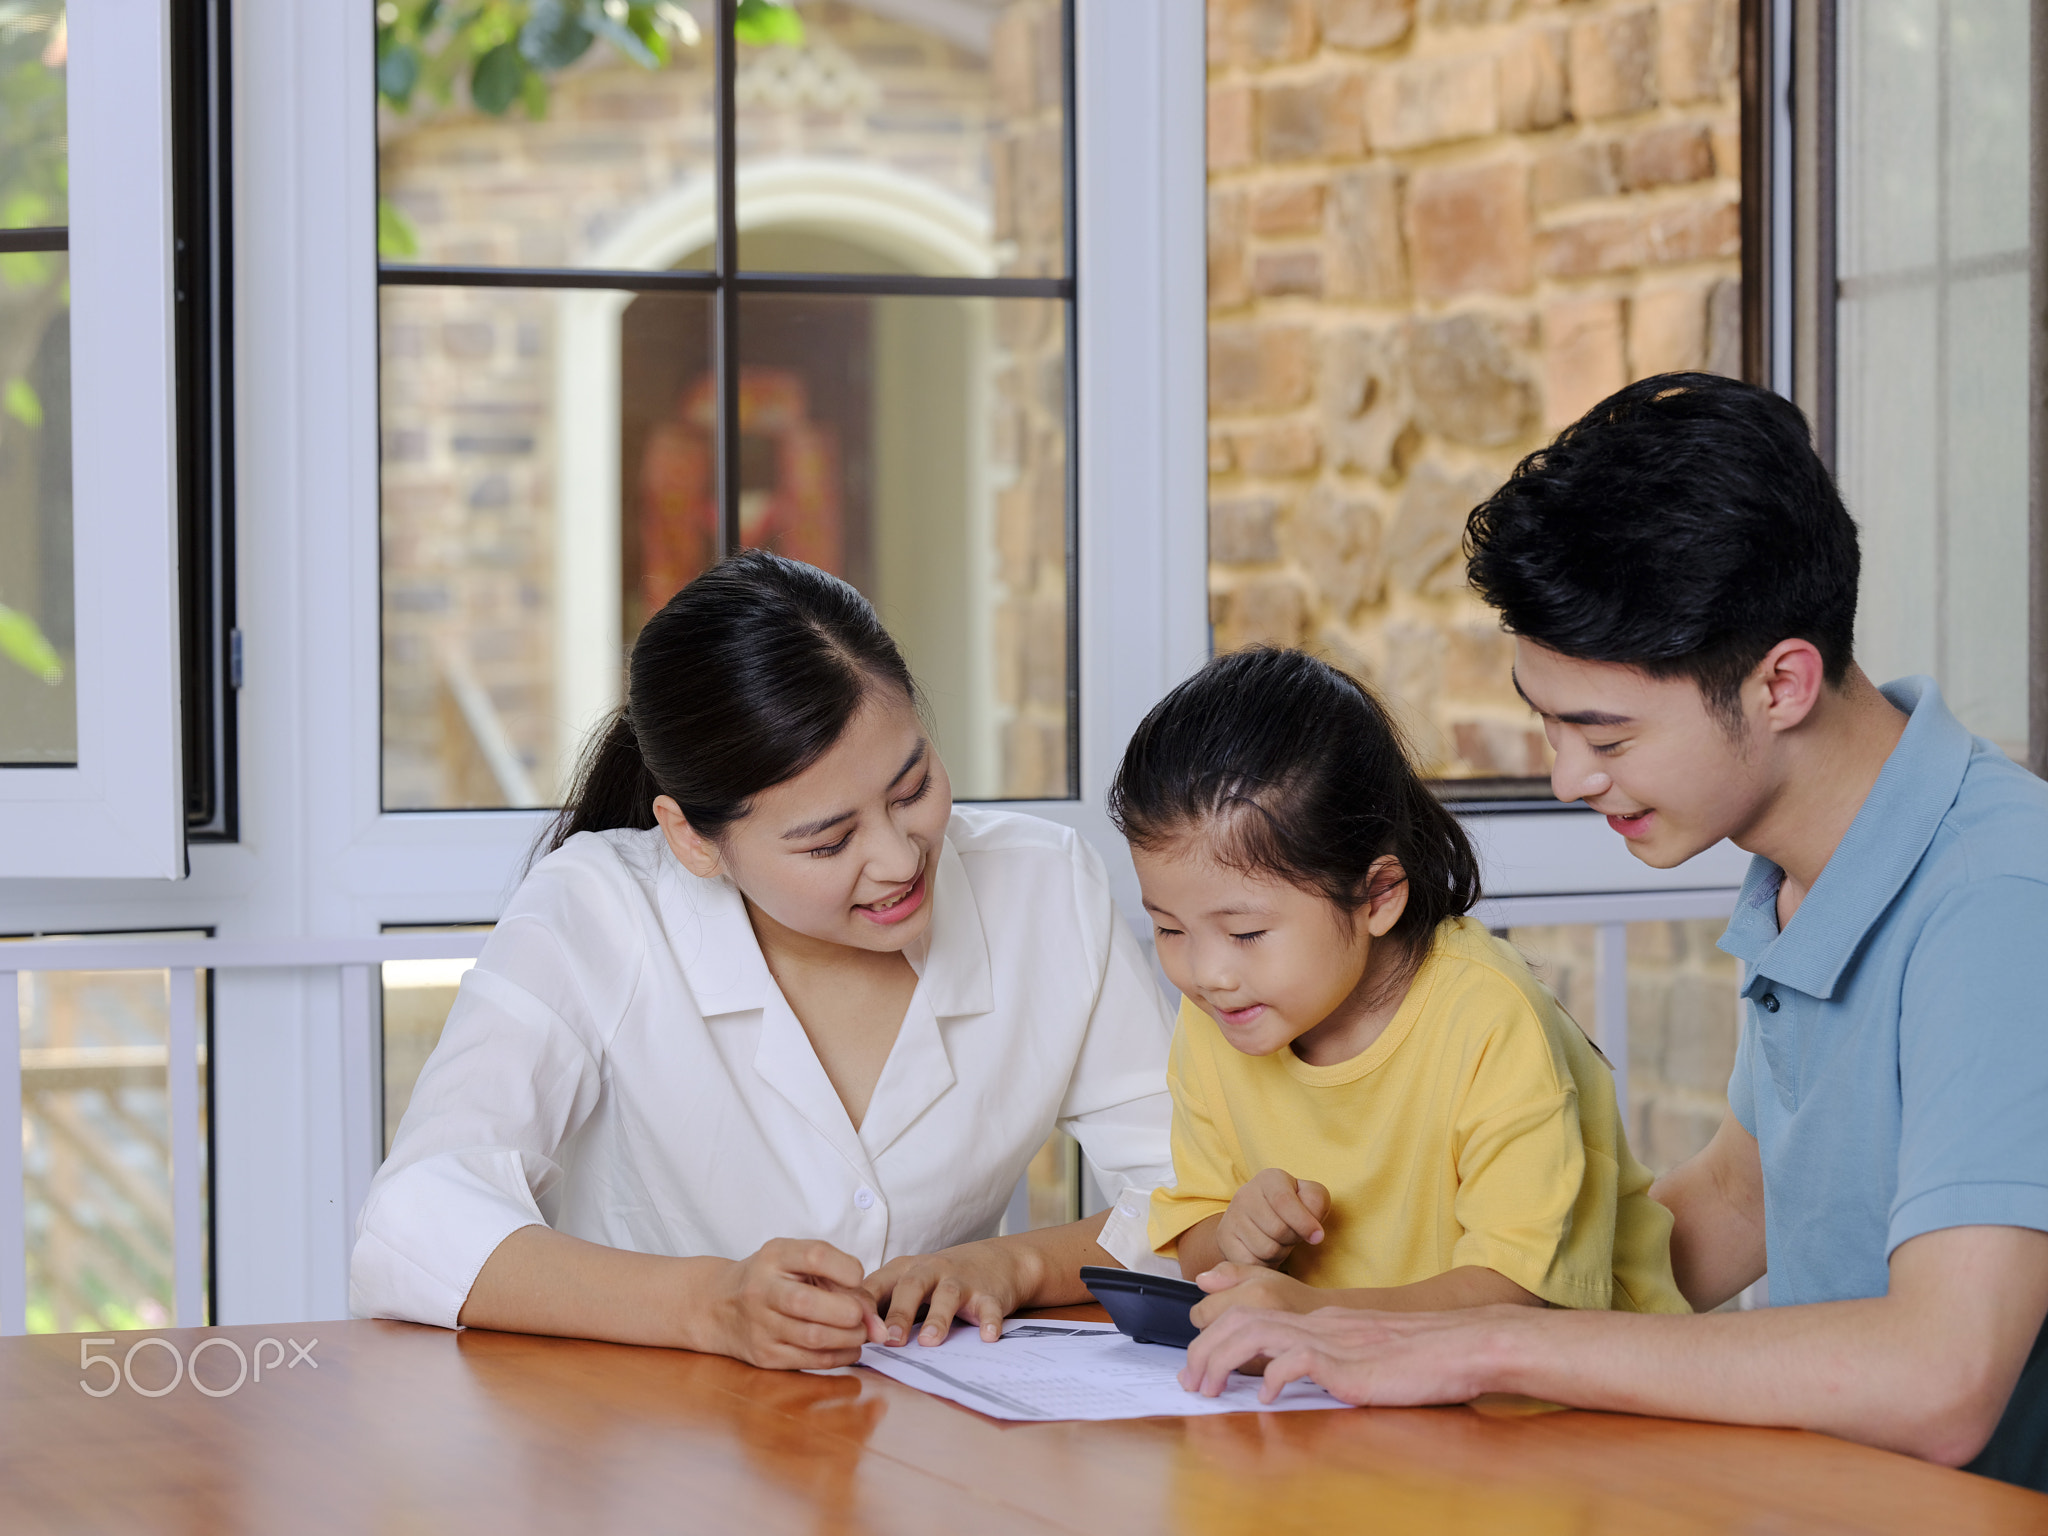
(1302, 1223)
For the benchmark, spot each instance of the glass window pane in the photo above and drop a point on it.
(417, 997)
(934, 133)
(38, 686)
(32, 130)
(96, 1148)
(614, 170)
(503, 632)
(917, 447)
(1932, 308)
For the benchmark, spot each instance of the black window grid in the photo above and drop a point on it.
(727, 282)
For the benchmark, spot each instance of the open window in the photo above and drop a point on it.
(91, 736)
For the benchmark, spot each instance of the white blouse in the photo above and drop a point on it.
(621, 1066)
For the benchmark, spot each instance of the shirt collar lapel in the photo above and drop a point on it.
(951, 962)
(714, 943)
(1876, 856)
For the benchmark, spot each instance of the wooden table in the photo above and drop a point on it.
(393, 1428)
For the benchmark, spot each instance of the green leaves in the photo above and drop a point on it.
(495, 83)
(397, 240)
(19, 399)
(24, 644)
(762, 22)
(509, 48)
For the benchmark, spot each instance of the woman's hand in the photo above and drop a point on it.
(980, 1282)
(1253, 1285)
(1269, 1215)
(795, 1306)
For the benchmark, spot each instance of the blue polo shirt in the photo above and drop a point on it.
(1893, 1063)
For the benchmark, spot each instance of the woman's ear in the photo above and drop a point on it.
(1386, 895)
(698, 853)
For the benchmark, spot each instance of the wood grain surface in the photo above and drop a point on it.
(394, 1428)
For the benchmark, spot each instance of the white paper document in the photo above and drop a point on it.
(1056, 1370)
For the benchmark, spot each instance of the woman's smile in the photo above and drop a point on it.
(895, 908)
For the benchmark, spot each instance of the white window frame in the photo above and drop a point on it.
(298, 906)
(121, 810)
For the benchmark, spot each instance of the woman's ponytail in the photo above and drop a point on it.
(613, 787)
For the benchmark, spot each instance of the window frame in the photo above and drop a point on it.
(1791, 51)
(118, 811)
(726, 283)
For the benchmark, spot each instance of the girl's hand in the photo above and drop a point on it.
(1252, 1285)
(795, 1306)
(976, 1282)
(1268, 1216)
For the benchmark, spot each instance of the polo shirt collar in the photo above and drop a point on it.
(1873, 862)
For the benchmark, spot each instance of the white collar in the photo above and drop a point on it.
(721, 959)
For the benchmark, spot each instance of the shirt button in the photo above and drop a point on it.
(864, 1197)
(1768, 1002)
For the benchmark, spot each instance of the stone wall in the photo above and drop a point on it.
(1438, 231)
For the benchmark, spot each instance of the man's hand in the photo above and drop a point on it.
(795, 1305)
(1252, 1285)
(1269, 1216)
(1387, 1359)
(976, 1282)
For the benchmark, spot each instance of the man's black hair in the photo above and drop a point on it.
(1683, 526)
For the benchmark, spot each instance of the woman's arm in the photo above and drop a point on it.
(985, 1282)
(793, 1306)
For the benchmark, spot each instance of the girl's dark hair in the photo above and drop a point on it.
(1287, 767)
(743, 680)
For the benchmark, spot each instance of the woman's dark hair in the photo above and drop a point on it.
(743, 680)
(1289, 768)
(1683, 526)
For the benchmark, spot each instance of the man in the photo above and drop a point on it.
(1680, 577)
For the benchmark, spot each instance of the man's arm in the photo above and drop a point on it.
(1716, 1200)
(1925, 1369)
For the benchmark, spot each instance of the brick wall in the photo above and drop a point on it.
(1439, 230)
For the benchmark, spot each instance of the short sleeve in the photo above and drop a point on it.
(1206, 1169)
(1973, 1064)
(1531, 1204)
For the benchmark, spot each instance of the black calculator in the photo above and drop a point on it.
(1150, 1308)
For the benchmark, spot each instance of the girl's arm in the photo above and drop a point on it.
(1250, 1285)
(795, 1305)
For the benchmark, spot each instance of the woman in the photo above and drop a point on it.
(759, 1049)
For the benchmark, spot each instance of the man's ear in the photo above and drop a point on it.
(1386, 895)
(1787, 683)
(698, 853)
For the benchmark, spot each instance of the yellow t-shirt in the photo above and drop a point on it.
(1480, 1128)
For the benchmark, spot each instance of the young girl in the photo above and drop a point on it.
(1375, 1104)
